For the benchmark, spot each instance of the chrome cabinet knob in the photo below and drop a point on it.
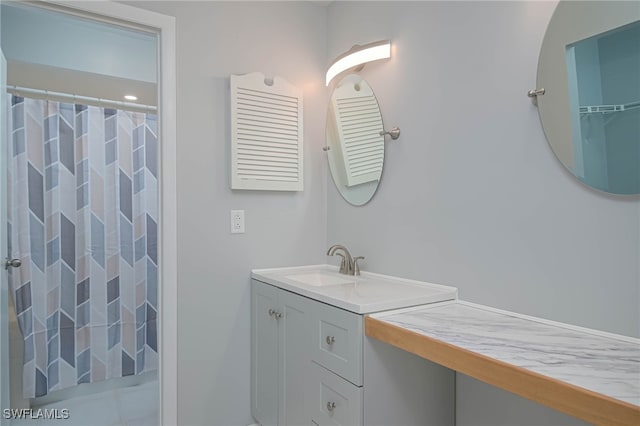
(331, 406)
(275, 314)
(331, 340)
(14, 263)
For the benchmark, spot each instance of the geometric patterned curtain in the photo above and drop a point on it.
(83, 215)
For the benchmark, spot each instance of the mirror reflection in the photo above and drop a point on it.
(355, 146)
(604, 90)
(589, 66)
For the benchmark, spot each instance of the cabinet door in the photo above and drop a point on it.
(264, 354)
(295, 340)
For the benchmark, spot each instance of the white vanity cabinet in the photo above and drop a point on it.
(311, 364)
(279, 355)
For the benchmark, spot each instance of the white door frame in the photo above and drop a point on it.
(4, 279)
(168, 240)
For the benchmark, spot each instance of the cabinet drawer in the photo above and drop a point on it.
(337, 341)
(333, 400)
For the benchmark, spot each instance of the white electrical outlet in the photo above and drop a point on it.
(237, 221)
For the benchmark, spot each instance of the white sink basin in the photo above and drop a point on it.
(321, 279)
(363, 294)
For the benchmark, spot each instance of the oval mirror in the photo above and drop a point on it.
(355, 147)
(589, 66)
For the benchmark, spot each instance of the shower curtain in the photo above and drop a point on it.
(83, 215)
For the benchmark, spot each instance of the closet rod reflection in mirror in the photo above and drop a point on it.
(590, 68)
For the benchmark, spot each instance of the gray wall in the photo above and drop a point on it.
(472, 195)
(215, 40)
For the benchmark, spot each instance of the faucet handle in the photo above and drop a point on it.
(343, 263)
(356, 267)
(346, 266)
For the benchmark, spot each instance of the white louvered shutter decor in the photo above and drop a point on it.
(266, 134)
(359, 124)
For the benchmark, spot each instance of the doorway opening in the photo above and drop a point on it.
(85, 211)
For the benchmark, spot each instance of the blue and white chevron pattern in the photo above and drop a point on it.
(83, 218)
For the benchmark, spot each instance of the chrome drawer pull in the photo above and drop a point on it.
(331, 406)
(330, 341)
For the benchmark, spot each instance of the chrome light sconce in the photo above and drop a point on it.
(358, 56)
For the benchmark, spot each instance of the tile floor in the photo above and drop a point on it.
(130, 406)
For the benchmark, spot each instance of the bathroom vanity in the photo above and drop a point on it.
(311, 362)
(334, 349)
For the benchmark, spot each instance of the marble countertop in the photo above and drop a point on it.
(598, 362)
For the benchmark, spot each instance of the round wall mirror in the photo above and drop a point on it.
(355, 147)
(589, 67)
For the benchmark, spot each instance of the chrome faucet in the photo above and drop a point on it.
(348, 265)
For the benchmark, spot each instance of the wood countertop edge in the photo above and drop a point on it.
(573, 400)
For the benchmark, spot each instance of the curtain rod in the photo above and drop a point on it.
(17, 90)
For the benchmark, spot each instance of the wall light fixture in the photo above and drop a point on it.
(359, 55)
